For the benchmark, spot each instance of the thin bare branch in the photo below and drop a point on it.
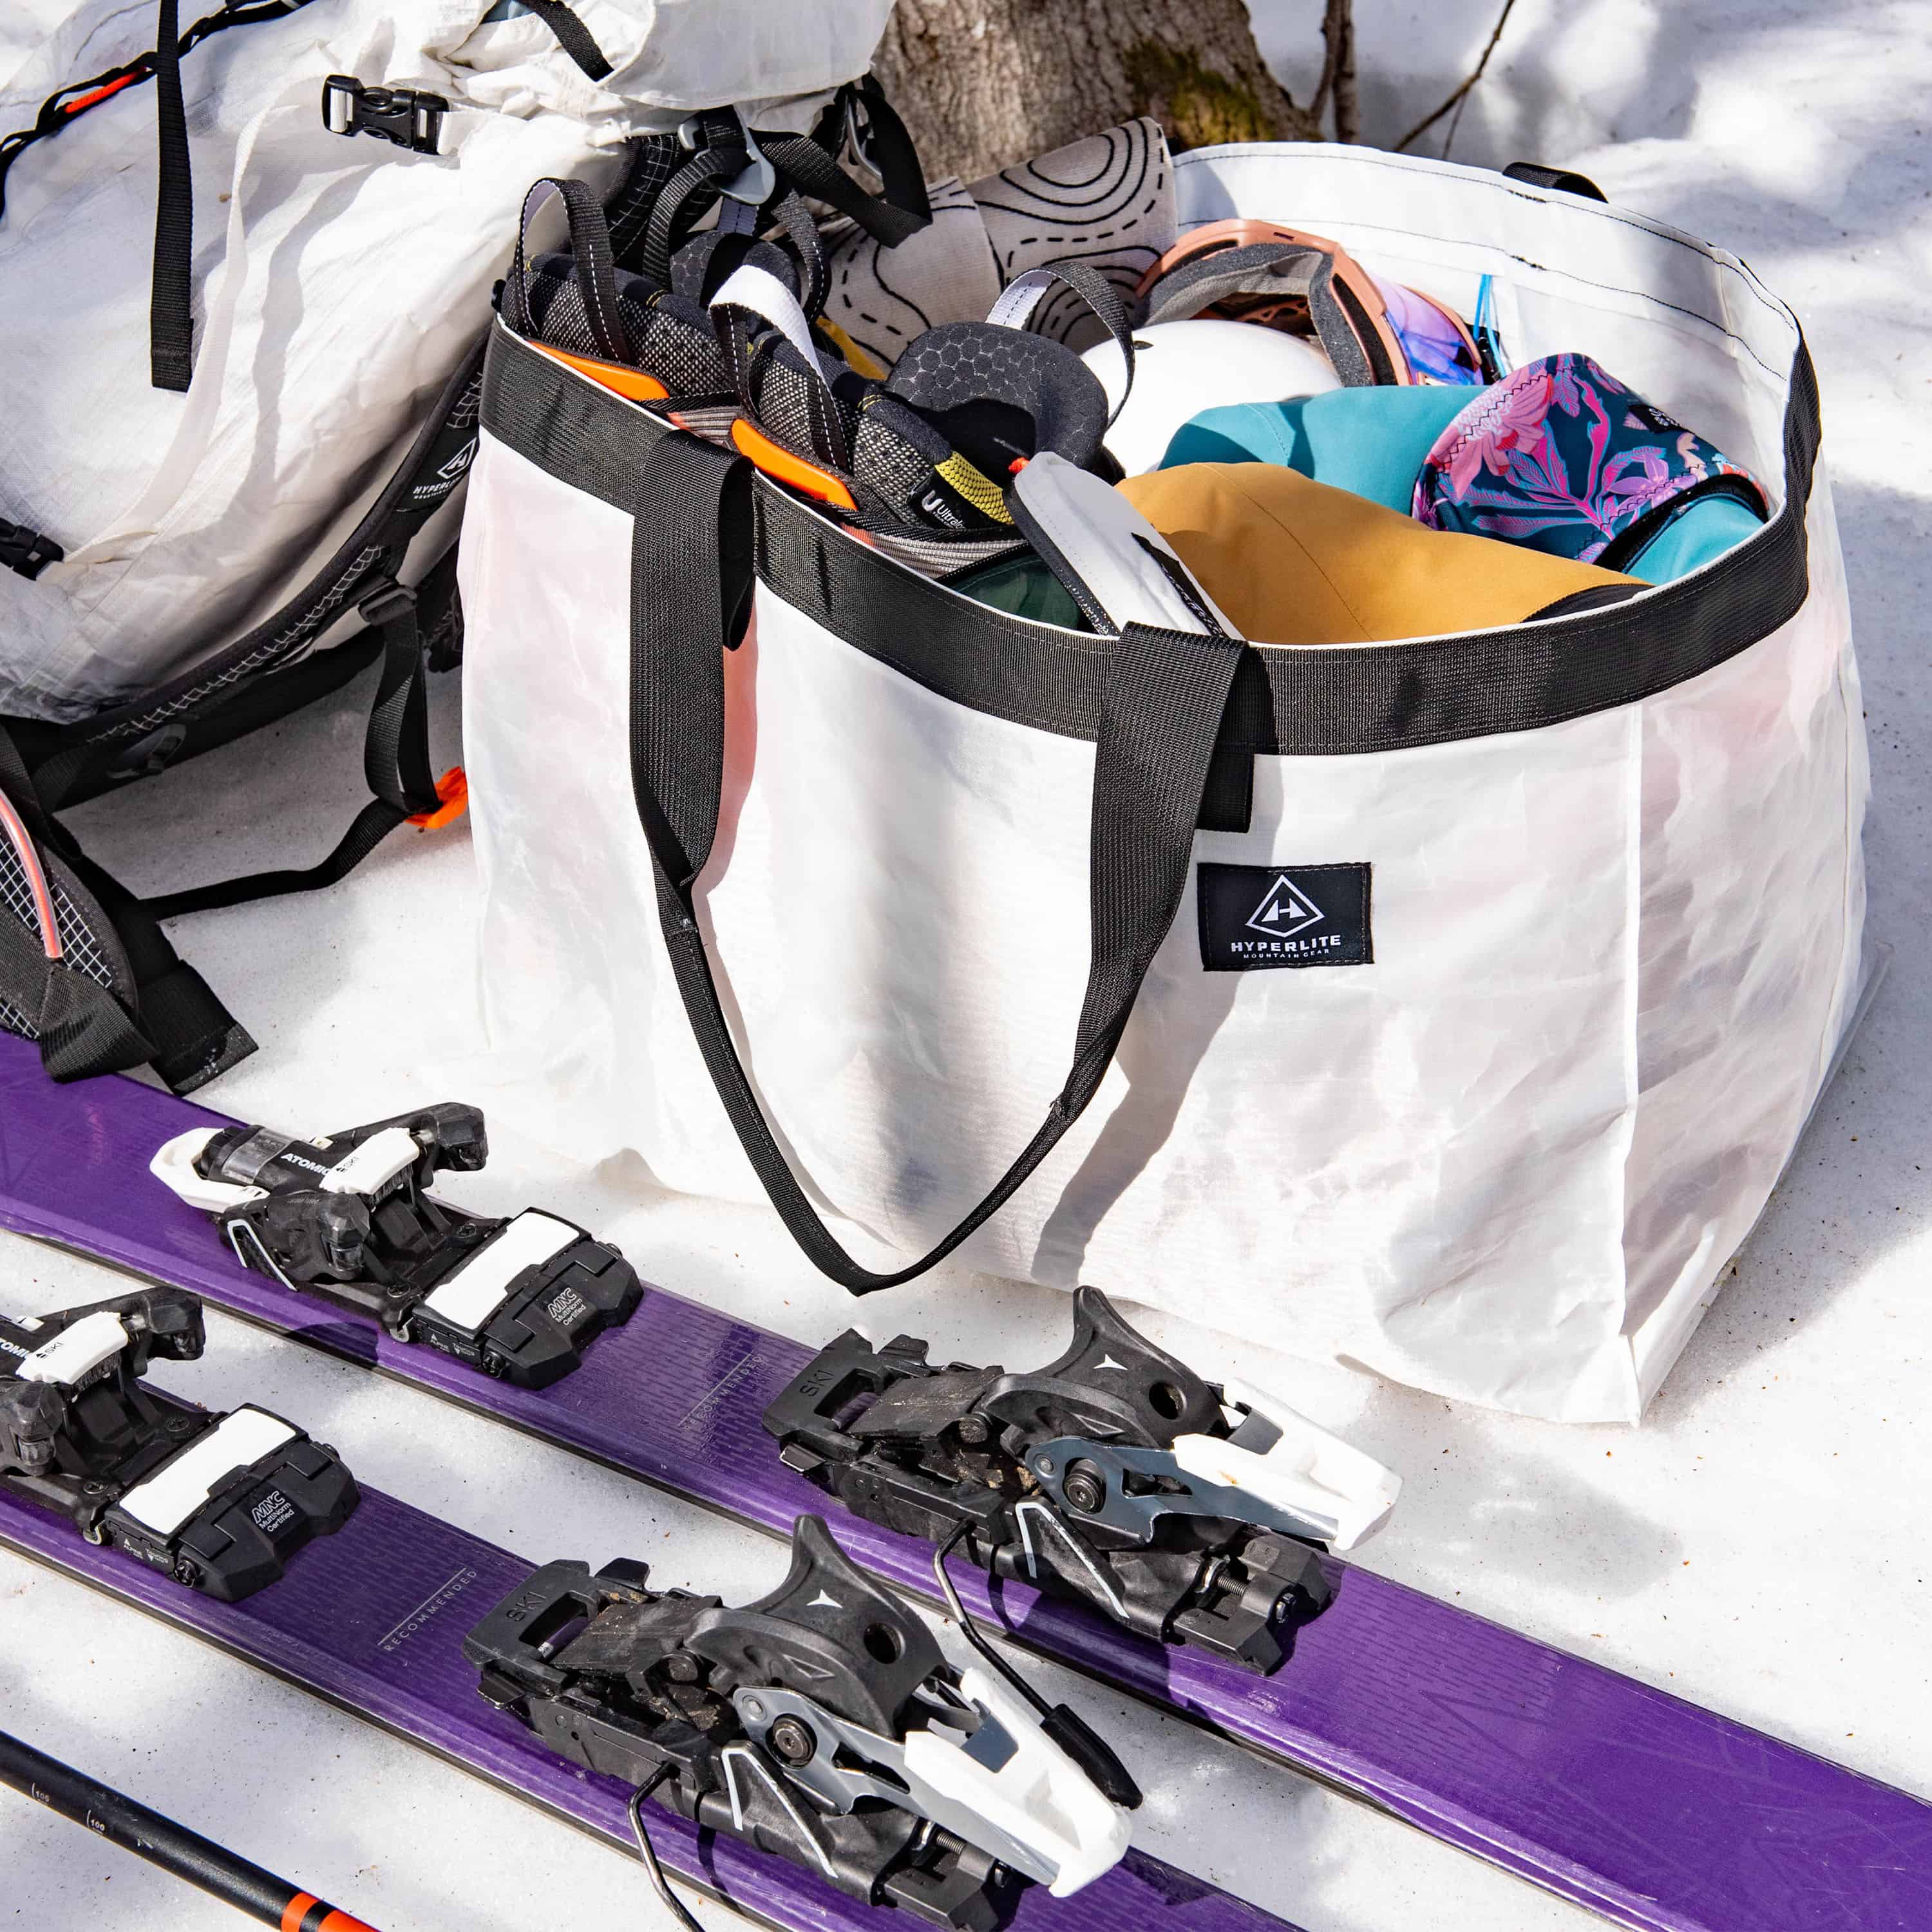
(1348, 114)
(1454, 104)
(1336, 21)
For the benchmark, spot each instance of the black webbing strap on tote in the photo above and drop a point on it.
(176, 1023)
(1163, 700)
(1567, 179)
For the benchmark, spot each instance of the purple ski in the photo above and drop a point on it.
(1649, 1809)
(373, 1618)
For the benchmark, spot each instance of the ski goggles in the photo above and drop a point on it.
(1374, 331)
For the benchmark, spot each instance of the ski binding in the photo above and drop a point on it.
(348, 1217)
(221, 1503)
(1116, 1475)
(821, 1724)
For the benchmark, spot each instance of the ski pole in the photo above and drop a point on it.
(162, 1842)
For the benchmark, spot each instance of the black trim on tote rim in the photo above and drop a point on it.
(1302, 700)
(569, 426)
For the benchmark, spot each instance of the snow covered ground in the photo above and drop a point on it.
(1761, 1545)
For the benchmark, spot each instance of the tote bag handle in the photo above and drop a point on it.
(1161, 701)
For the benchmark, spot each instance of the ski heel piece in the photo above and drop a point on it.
(221, 1503)
(1115, 1475)
(820, 1723)
(349, 1218)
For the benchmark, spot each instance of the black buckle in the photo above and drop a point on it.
(723, 126)
(403, 116)
(25, 550)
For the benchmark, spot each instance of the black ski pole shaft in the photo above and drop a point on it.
(162, 1842)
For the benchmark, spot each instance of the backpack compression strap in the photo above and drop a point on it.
(572, 35)
(403, 626)
(395, 762)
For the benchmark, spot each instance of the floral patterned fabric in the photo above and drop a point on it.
(1561, 457)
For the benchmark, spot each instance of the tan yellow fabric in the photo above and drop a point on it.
(1294, 562)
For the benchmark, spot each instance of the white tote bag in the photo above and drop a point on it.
(1593, 883)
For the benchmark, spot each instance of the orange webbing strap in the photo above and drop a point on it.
(632, 384)
(780, 464)
(453, 788)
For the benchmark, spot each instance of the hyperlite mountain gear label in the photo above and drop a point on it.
(1253, 916)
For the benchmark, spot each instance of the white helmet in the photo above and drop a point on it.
(1181, 368)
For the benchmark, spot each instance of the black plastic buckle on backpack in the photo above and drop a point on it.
(25, 550)
(727, 127)
(384, 603)
(404, 116)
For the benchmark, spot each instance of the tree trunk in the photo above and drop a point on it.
(984, 83)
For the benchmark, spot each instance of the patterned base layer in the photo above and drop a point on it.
(373, 1620)
(1650, 1810)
